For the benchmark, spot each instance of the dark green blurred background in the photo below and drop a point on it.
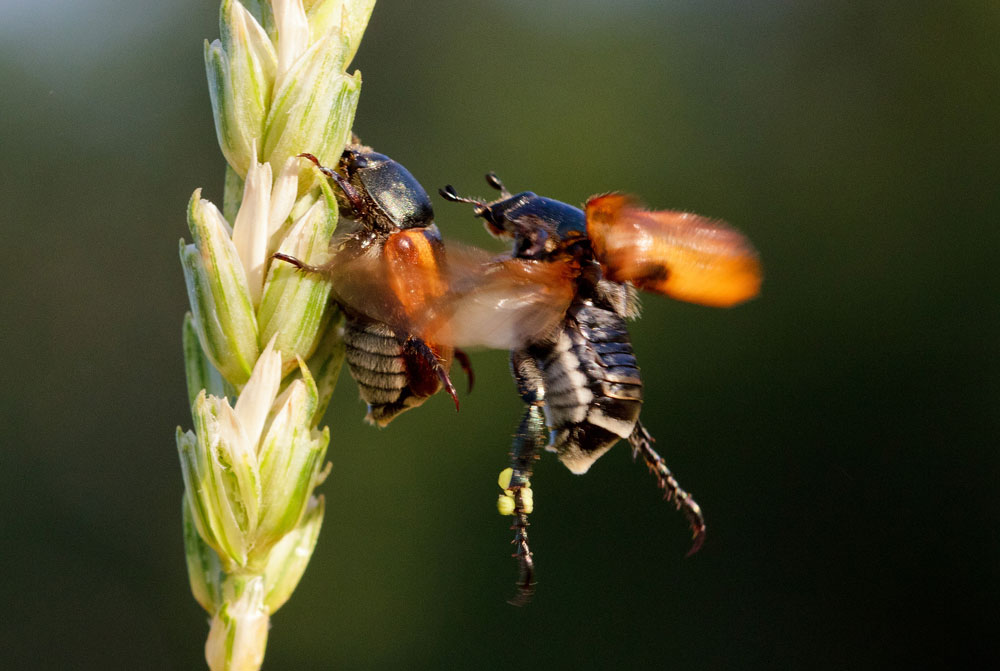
(840, 432)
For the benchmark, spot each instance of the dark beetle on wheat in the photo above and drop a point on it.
(386, 264)
(559, 302)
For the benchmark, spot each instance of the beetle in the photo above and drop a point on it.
(559, 302)
(389, 242)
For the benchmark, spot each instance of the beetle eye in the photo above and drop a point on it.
(352, 160)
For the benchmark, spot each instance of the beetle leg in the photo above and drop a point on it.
(466, 364)
(642, 443)
(354, 198)
(528, 441)
(305, 267)
(430, 357)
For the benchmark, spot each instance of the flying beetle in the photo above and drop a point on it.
(559, 300)
(387, 262)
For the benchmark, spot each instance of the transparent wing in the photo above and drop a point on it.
(502, 303)
(466, 297)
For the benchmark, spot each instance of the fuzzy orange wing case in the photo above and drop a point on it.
(678, 254)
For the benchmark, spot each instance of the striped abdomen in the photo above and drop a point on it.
(377, 361)
(593, 391)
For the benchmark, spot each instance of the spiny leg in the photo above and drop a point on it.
(354, 198)
(466, 364)
(642, 444)
(304, 267)
(430, 357)
(529, 440)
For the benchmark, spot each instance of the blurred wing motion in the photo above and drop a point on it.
(681, 255)
(503, 303)
(464, 297)
(363, 285)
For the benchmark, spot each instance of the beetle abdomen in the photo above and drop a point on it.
(376, 361)
(593, 387)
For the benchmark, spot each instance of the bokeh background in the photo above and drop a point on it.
(840, 432)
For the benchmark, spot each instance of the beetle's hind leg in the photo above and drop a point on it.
(642, 444)
(423, 352)
(528, 442)
(463, 360)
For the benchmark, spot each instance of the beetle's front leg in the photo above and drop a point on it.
(356, 201)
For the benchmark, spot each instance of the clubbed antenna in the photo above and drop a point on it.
(449, 193)
(494, 181)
